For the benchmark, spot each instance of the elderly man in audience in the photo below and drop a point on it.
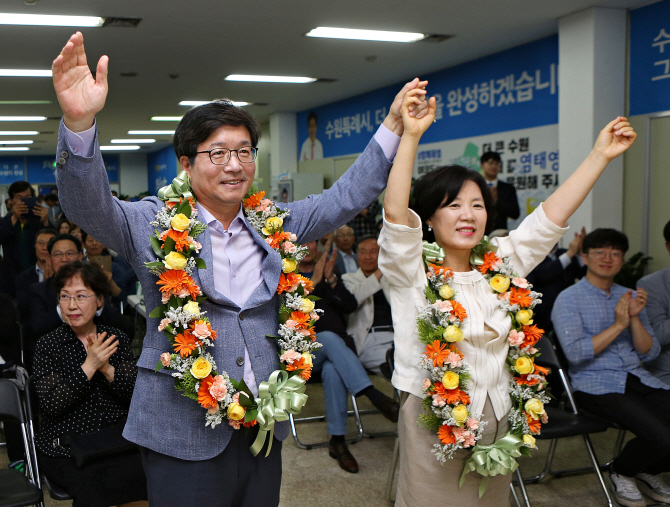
(657, 286)
(341, 371)
(605, 334)
(347, 260)
(42, 269)
(17, 234)
(371, 324)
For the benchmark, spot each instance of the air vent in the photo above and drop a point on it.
(435, 38)
(122, 22)
(325, 80)
(128, 74)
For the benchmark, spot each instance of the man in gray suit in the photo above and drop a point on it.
(240, 281)
(657, 286)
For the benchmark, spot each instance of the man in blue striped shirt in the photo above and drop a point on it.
(606, 335)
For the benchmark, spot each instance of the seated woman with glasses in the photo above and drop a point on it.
(84, 377)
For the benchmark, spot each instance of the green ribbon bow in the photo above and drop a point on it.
(180, 187)
(494, 459)
(432, 252)
(278, 397)
(478, 252)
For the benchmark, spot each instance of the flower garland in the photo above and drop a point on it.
(190, 332)
(446, 401)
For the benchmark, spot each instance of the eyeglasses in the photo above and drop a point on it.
(221, 156)
(614, 254)
(70, 255)
(78, 299)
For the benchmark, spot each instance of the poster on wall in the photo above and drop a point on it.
(162, 168)
(650, 59)
(12, 169)
(511, 90)
(42, 168)
(529, 161)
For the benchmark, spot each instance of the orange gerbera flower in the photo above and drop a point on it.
(306, 283)
(490, 260)
(301, 364)
(438, 388)
(192, 288)
(458, 310)
(287, 282)
(438, 352)
(454, 396)
(520, 297)
(179, 237)
(541, 370)
(253, 200)
(531, 335)
(205, 399)
(173, 280)
(275, 239)
(250, 423)
(523, 380)
(185, 343)
(446, 435)
(534, 425)
(301, 318)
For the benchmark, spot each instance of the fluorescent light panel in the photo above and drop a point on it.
(50, 20)
(166, 118)
(132, 141)
(24, 102)
(151, 132)
(355, 34)
(126, 147)
(18, 132)
(194, 103)
(24, 73)
(16, 142)
(270, 79)
(23, 118)
(17, 148)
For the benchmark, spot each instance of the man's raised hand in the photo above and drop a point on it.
(415, 125)
(80, 96)
(393, 120)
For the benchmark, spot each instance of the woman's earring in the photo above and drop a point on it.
(429, 228)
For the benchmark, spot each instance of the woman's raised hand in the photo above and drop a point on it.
(80, 95)
(413, 125)
(615, 138)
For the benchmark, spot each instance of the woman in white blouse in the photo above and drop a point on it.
(453, 207)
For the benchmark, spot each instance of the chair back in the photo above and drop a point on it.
(550, 357)
(11, 406)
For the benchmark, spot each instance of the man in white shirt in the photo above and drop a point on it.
(347, 260)
(311, 148)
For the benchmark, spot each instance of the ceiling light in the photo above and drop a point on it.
(151, 132)
(203, 102)
(133, 141)
(126, 147)
(16, 142)
(374, 35)
(270, 79)
(166, 118)
(18, 148)
(25, 102)
(49, 20)
(24, 73)
(23, 118)
(18, 132)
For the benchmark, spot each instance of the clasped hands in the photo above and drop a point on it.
(98, 351)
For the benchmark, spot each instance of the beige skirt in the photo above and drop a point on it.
(424, 481)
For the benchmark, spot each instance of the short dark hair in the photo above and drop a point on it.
(202, 121)
(20, 186)
(61, 237)
(666, 232)
(311, 115)
(490, 155)
(601, 238)
(367, 237)
(91, 275)
(51, 197)
(447, 181)
(46, 230)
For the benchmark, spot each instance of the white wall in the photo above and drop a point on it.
(133, 174)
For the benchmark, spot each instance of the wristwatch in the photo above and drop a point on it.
(332, 280)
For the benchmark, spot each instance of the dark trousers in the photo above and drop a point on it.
(645, 412)
(234, 478)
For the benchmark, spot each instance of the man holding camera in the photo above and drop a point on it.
(17, 234)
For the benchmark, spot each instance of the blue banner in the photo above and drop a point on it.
(12, 169)
(42, 168)
(162, 168)
(650, 59)
(511, 90)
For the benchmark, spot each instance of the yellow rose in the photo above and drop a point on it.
(446, 292)
(175, 260)
(499, 283)
(524, 317)
(192, 307)
(201, 368)
(308, 358)
(460, 413)
(450, 380)
(529, 440)
(271, 225)
(236, 411)
(307, 305)
(524, 365)
(453, 334)
(179, 222)
(288, 265)
(534, 407)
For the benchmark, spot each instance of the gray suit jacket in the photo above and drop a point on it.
(160, 418)
(657, 286)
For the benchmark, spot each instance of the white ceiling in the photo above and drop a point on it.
(202, 41)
